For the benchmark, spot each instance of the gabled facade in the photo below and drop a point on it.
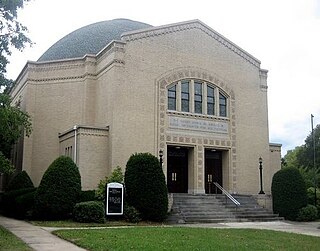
(182, 89)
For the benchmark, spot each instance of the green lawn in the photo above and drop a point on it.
(175, 238)
(10, 242)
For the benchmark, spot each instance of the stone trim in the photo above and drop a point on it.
(199, 142)
(189, 25)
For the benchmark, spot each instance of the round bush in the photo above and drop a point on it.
(289, 193)
(89, 211)
(131, 214)
(146, 188)
(58, 191)
(19, 181)
(17, 203)
(308, 213)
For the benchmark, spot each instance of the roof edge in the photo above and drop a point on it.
(187, 25)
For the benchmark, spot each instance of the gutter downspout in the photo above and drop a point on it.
(75, 144)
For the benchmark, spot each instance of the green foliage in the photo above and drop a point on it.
(131, 214)
(289, 193)
(13, 35)
(88, 195)
(146, 189)
(13, 123)
(58, 191)
(19, 181)
(5, 165)
(116, 176)
(89, 211)
(308, 213)
(17, 203)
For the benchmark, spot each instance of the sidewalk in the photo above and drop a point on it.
(36, 237)
(306, 228)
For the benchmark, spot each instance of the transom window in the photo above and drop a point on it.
(196, 96)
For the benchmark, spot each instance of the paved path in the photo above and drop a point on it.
(40, 238)
(36, 237)
(307, 228)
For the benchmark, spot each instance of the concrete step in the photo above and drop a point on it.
(215, 208)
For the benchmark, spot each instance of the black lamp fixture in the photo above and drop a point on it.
(260, 168)
(161, 157)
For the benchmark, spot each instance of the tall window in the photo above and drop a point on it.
(172, 98)
(185, 96)
(210, 100)
(222, 105)
(197, 97)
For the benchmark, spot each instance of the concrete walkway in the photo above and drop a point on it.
(40, 238)
(36, 237)
(306, 228)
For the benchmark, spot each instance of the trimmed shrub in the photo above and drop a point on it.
(17, 203)
(308, 213)
(116, 176)
(289, 193)
(19, 181)
(58, 191)
(89, 211)
(88, 195)
(131, 214)
(146, 189)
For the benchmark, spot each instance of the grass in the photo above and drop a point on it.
(175, 238)
(10, 242)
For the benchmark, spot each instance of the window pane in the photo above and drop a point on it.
(185, 96)
(210, 100)
(185, 87)
(185, 105)
(171, 104)
(222, 105)
(172, 98)
(198, 107)
(198, 88)
(210, 109)
(210, 91)
(198, 98)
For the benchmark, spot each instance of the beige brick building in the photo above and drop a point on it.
(118, 87)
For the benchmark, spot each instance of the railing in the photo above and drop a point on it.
(227, 194)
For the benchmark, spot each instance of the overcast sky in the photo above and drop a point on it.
(283, 34)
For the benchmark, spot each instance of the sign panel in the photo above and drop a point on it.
(114, 199)
(198, 125)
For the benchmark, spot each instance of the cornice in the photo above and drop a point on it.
(189, 25)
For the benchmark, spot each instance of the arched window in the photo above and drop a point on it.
(197, 96)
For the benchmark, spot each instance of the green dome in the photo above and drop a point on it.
(90, 39)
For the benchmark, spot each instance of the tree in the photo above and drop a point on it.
(305, 155)
(289, 193)
(12, 35)
(146, 188)
(13, 123)
(58, 191)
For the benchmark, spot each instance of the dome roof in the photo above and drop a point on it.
(90, 39)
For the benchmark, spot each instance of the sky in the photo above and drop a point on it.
(283, 34)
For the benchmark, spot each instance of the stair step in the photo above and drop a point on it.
(215, 208)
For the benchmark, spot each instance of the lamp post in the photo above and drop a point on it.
(314, 163)
(260, 168)
(160, 157)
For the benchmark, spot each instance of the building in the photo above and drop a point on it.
(114, 88)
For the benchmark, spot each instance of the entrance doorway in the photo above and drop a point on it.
(213, 170)
(177, 169)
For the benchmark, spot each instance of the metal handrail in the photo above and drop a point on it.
(226, 193)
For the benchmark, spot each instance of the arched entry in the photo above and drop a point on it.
(213, 170)
(177, 169)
